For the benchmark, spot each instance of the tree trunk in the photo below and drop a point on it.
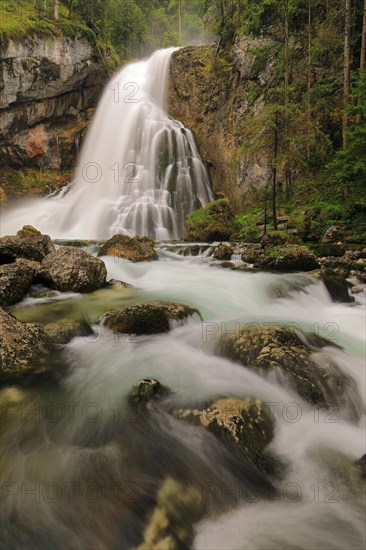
(347, 66)
(308, 103)
(363, 40)
(56, 9)
(287, 38)
(274, 183)
(180, 21)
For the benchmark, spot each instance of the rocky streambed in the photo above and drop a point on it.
(176, 387)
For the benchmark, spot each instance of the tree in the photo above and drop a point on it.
(347, 67)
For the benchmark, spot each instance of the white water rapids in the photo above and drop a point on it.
(139, 172)
(320, 504)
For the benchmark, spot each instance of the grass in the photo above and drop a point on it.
(21, 18)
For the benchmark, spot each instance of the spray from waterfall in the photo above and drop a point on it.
(139, 172)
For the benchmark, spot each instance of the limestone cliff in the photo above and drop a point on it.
(213, 97)
(48, 90)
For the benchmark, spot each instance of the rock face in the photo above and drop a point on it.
(15, 281)
(27, 243)
(151, 318)
(23, 347)
(71, 269)
(213, 100)
(280, 352)
(132, 249)
(48, 89)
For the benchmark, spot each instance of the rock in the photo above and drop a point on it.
(251, 252)
(24, 347)
(27, 243)
(223, 252)
(133, 249)
(337, 287)
(115, 283)
(280, 352)
(64, 331)
(286, 259)
(358, 289)
(15, 281)
(331, 235)
(151, 318)
(145, 391)
(171, 525)
(243, 425)
(72, 269)
(361, 464)
(213, 222)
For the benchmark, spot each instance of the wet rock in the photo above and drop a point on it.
(337, 287)
(244, 425)
(27, 243)
(171, 524)
(223, 252)
(64, 331)
(151, 318)
(280, 353)
(15, 281)
(286, 259)
(72, 269)
(24, 347)
(132, 249)
(361, 463)
(358, 289)
(115, 283)
(146, 391)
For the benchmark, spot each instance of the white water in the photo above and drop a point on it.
(139, 173)
(320, 504)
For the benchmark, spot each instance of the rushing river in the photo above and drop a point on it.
(80, 471)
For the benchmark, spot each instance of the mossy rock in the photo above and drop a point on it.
(242, 425)
(286, 259)
(28, 243)
(132, 249)
(213, 222)
(281, 353)
(150, 318)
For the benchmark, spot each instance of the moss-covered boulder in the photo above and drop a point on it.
(171, 524)
(132, 249)
(150, 318)
(24, 348)
(242, 425)
(281, 353)
(146, 391)
(213, 222)
(286, 259)
(27, 243)
(72, 269)
(15, 281)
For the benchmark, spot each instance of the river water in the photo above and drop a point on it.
(79, 470)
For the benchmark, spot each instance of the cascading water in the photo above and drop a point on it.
(139, 173)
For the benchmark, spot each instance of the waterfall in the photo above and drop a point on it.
(139, 172)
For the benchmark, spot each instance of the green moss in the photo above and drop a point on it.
(31, 181)
(213, 222)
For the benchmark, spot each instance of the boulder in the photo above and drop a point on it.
(27, 243)
(281, 353)
(223, 252)
(212, 222)
(147, 391)
(72, 269)
(337, 287)
(251, 252)
(15, 281)
(331, 235)
(24, 347)
(286, 259)
(243, 425)
(150, 318)
(132, 249)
